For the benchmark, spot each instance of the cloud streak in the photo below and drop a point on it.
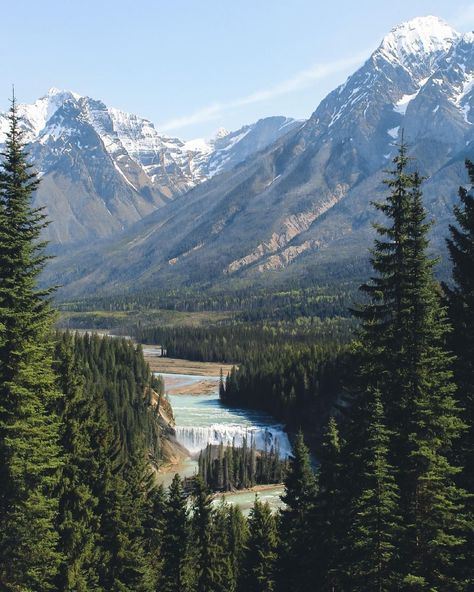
(299, 81)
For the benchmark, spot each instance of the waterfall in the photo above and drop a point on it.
(194, 439)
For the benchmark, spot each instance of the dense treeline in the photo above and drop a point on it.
(115, 371)
(225, 468)
(322, 301)
(297, 385)
(237, 342)
(75, 425)
(390, 507)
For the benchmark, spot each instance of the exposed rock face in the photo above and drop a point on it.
(104, 169)
(305, 200)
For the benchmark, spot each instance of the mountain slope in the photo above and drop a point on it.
(304, 202)
(104, 169)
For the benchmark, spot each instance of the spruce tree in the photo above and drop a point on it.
(329, 516)
(78, 522)
(206, 573)
(461, 312)
(175, 539)
(237, 534)
(258, 571)
(29, 426)
(404, 357)
(372, 557)
(296, 553)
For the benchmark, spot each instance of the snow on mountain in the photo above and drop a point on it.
(104, 169)
(301, 206)
(416, 39)
(161, 157)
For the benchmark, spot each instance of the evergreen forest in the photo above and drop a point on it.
(389, 505)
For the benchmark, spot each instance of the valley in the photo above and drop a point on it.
(237, 361)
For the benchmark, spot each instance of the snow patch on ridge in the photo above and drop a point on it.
(426, 35)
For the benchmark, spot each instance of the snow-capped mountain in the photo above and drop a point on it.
(104, 169)
(303, 204)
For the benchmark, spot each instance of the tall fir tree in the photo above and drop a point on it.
(297, 544)
(206, 572)
(259, 564)
(403, 341)
(175, 539)
(461, 313)
(371, 556)
(78, 521)
(330, 515)
(29, 426)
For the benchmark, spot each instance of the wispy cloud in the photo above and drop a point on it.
(299, 81)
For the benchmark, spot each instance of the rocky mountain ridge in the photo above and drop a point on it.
(104, 169)
(303, 204)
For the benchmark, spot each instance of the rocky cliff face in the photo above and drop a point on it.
(104, 169)
(304, 201)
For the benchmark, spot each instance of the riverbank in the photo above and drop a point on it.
(179, 366)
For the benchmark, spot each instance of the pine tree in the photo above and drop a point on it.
(29, 427)
(461, 312)
(404, 357)
(154, 533)
(330, 513)
(296, 554)
(175, 539)
(127, 566)
(237, 534)
(258, 572)
(374, 522)
(206, 573)
(78, 520)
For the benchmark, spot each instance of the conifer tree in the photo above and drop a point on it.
(154, 531)
(175, 539)
(29, 427)
(374, 521)
(296, 553)
(404, 357)
(78, 523)
(127, 566)
(258, 571)
(461, 312)
(330, 513)
(237, 534)
(206, 573)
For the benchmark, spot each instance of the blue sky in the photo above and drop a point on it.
(192, 66)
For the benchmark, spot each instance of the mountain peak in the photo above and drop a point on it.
(221, 133)
(55, 92)
(425, 35)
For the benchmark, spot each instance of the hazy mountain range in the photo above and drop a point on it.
(274, 199)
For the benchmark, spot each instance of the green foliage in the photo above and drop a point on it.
(224, 468)
(461, 313)
(297, 385)
(241, 341)
(296, 562)
(30, 458)
(78, 520)
(404, 358)
(175, 539)
(375, 520)
(259, 564)
(329, 516)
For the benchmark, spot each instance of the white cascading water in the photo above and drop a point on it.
(194, 439)
(203, 419)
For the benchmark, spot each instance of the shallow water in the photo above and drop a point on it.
(202, 419)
